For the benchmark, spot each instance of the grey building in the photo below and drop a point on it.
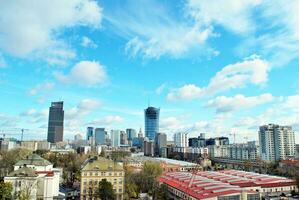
(131, 133)
(151, 117)
(160, 142)
(55, 124)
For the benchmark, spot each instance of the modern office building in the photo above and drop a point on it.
(276, 142)
(131, 133)
(55, 124)
(97, 169)
(218, 141)
(151, 117)
(160, 142)
(123, 138)
(89, 133)
(180, 139)
(148, 148)
(115, 138)
(100, 136)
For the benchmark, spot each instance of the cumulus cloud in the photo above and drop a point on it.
(35, 29)
(108, 120)
(87, 42)
(171, 124)
(84, 73)
(252, 70)
(237, 102)
(83, 108)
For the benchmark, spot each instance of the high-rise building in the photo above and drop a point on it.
(131, 133)
(55, 124)
(89, 133)
(100, 136)
(123, 138)
(151, 116)
(115, 138)
(276, 142)
(140, 134)
(180, 139)
(160, 142)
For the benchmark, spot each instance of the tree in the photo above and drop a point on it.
(161, 192)
(5, 191)
(105, 190)
(131, 187)
(148, 176)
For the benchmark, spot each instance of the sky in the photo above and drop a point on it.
(218, 67)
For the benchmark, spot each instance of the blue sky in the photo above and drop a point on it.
(211, 66)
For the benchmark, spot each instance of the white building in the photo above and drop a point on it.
(35, 177)
(180, 139)
(115, 138)
(276, 142)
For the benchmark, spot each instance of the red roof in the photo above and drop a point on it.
(292, 162)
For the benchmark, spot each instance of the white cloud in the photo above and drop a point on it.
(228, 104)
(252, 70)
(85, 73)
(87, 42)
(233, 15)
(27, 29)
(160, 89)
(152, 31)
(35, 116)
(83, 108)
(171, 124)
(108, 120)
(41, 88)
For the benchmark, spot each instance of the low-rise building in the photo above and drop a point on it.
(225, 184)
(97, 169)
(35, 177)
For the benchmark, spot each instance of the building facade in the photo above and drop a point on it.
(115, 138)
(151, 117)
(131, 133)
(97, 169)
(276, 142)
(100, 136)
(55, 124)
(180, 139)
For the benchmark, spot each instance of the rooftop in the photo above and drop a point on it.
(209, 184)
(102, 164)
(23, 172)
(33, 159)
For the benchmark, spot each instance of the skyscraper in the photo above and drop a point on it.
(55, 124)
(100, 136)
(115, 138)
(276, 142)
(89, 133)
(131, 133)
(151, 116)
(160, 142)
(180, 139)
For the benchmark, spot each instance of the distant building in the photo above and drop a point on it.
(148, 148)
(276, 142)
(35, 145)
(217, 141)
(55, 124)
(180, 139)
(151, 117)
(131, 133)
(160, 142)
(7, 144)
(100, 136)
(78, 137)
(115, 138)
(123, 138)
(138, 142)
(37, 175)
(89, 134)
(140, 134)
(97, 169)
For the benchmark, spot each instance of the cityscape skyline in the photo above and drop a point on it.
(208, 73)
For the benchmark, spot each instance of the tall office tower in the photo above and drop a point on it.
(140, 134)
(115, 138)
(180, 139)
(160, 142)
(89, 133)
(131, 133)
(100, 136)
(276, 142)
(123, 138)
(151, 116)
(55, 125)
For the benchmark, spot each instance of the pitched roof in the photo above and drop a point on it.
(102, 164)
(33, 159)
(23, 172)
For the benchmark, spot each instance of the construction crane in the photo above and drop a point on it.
(5, 132)
(234, 135)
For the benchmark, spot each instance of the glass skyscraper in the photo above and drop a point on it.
(100, 136)
(151, 116)
(55, 124)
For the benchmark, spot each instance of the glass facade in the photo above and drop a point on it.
(151, 116)
(55, 124)
(131, 133)
(100, 136)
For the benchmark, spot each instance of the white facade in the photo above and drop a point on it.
(180, 139)
(276, 142)
(37, 175)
